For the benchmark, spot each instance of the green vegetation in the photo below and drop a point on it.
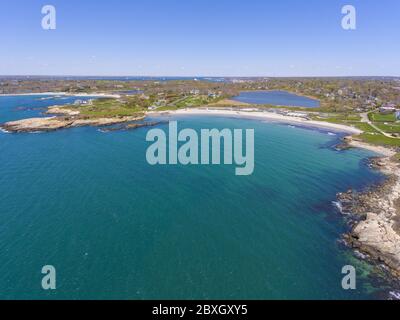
(102, 108)
(378, 117)
(343, 118)
(389, 128)
(379, 139)
(133, 105)
(193, 101)
(370, 134)
(364, 127)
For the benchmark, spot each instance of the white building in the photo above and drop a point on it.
(297, 114)
(387, 109)
(83, 102)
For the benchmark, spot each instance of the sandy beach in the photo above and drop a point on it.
(274, 117)
(270, 116)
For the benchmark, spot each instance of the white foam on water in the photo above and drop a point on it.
(394, 295)
(4, 130)
(338, 205)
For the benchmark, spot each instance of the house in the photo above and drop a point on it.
(297, 114)
(387, 108)
(78, 102)
(212, 94)
(161, 102)
(83, 102)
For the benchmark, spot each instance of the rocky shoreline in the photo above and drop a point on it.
(374, 215)
(57, 123)
(132, 126)
(65, 118)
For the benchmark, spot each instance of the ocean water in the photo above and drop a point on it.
(22, 107)
(115, 227)
(276, 98)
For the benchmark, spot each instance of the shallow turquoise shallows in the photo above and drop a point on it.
(115, 227)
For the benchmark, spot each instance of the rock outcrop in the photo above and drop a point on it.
(56, 123)
(376, 217)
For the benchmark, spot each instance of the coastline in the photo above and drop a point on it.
(96, 95)
(375, 217)
(34, 125)
(265, 115)
(383, 151)
(375, 230)
(44, 124)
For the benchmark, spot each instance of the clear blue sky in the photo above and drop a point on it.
(200, 37)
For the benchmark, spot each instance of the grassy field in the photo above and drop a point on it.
(103, 108)
(389, 128)
(133, 105)
(364, 127)
(193, 101)
(377, 117)
(342, 118)
(380, 139)
(370, 134)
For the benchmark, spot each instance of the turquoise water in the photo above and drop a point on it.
(116, 228)
(276, 98)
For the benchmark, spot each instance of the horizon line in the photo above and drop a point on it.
(194, 76)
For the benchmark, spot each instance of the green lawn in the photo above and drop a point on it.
(370, 134)
(363, 126)
(377, 117)
(342, 118)
(194, 101)
(110, 108)
(389, 128)
(379, 139)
